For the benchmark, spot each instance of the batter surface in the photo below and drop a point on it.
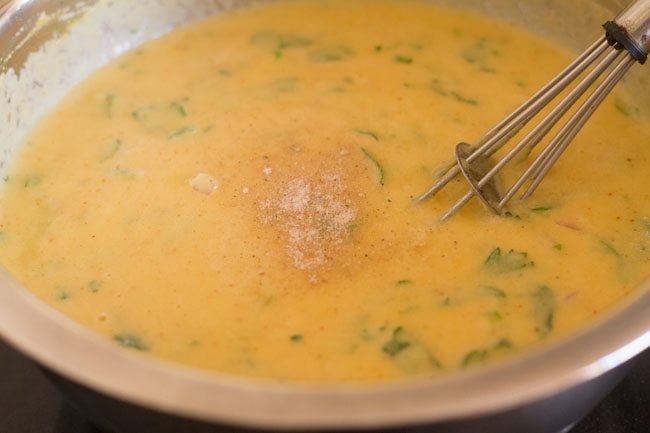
(237, 196)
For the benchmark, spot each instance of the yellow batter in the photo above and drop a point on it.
(237, 196)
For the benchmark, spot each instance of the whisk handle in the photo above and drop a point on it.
(631, 29)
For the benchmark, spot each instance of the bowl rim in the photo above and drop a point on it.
(69, 349)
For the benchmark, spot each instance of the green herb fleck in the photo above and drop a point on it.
(473, 357)
(396, 344)
(6, 179)
(509, 262)
(379, 168)
(480, 52)
(33, 181)
(504, 343)
(404, 282)
(330, 54)
(279, 42)
(480, 355)
(367, 133)
(544, 300)
(494, 291)
(624, 108)
(509, 214)
(290, 41)
(438, 87)
(558, 247)
(463, 99)
(403, 59)
(494, 315)
(407, 353)
(125, 173)
(541, 209)
(609, 248)
(179, 106)
(109, 102)
(142, 114)
(113, 149)
(62, 295)
(182, 132)
(131, 341)
(296, 338)
(94, 286)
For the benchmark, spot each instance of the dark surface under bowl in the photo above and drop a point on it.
(30, 403)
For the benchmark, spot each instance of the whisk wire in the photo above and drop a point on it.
(543, 97)
(586, 81)
(536, 169)
(496, 137)
(575, 124)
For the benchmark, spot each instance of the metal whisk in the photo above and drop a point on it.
(626, 41)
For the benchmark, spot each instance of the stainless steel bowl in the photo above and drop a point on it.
(46, 46)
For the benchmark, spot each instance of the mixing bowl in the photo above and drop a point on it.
(46, 46)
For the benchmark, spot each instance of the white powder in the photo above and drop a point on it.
(204, 183)
(315, 217)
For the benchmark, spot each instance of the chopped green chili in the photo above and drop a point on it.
(182, 132)
(473, 357)
(330, 54)
(609, 248)
(480, 355)
(111, 151)
(179, 106)
(403, 59)
(33, 181)
(438, 87)
(367, 133)
(131, 341)
(480, 52)
(379, 168)
(509, 214)
(494, 291)
(544, 307)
